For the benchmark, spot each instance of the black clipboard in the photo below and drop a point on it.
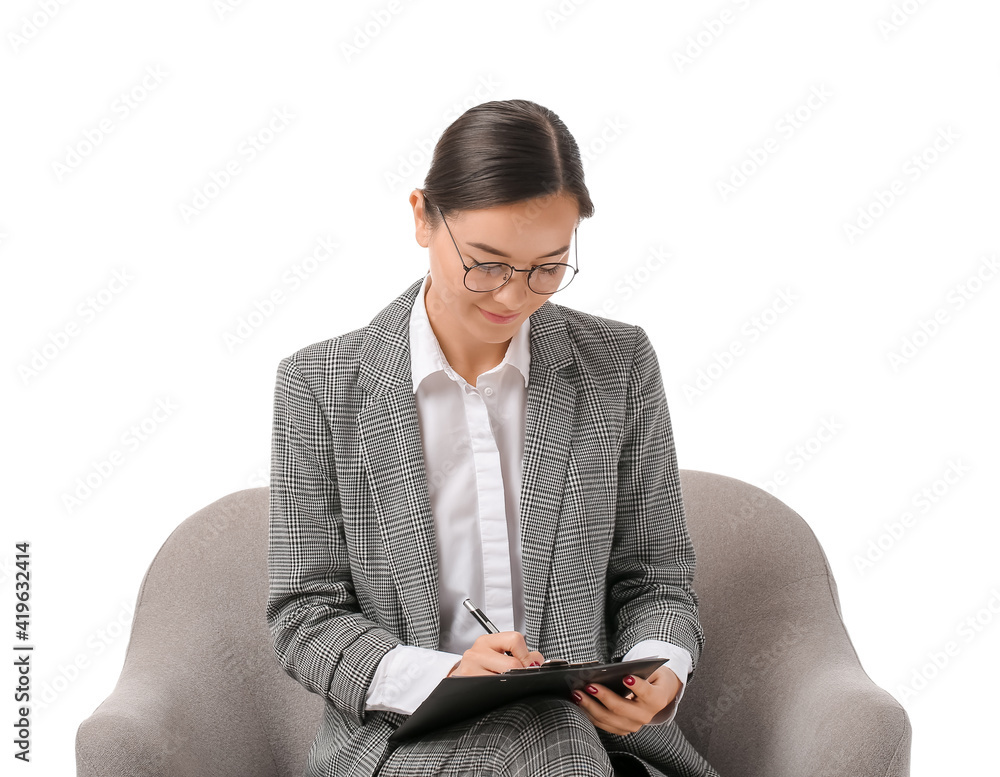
(459, 698)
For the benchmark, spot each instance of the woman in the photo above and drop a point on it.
(477, 440)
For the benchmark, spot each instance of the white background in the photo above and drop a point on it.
(660, 135)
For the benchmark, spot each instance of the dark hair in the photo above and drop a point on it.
(502, 152)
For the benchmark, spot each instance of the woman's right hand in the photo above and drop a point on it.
(486, 656)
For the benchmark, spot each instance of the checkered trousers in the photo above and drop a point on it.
(539, 736)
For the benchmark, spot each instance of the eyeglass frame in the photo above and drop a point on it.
(575, 269)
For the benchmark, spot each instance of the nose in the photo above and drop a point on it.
(514, 292)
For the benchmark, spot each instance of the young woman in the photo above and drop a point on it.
(477, 440)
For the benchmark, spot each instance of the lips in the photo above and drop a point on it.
(498, 317)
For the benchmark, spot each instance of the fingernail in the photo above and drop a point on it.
(577, 698)
(591, 689)
(630, 680)
(535, 663)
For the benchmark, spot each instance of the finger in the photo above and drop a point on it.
(665, 676)
(607, 698)
(504, 641)
(638, 687)
(616, 710)
(514, 642)
(601, 717)
(494, 661)
(534, 657)
(650, 696)
(661, 688)
(486, 656)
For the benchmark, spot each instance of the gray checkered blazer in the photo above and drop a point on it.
(352, 560)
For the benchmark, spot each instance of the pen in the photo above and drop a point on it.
(485, 622)
(480, 616)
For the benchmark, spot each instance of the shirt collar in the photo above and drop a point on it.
(426, 356)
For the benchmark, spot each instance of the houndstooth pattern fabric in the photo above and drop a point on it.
(541, 736)
(525, 739)
(352, 564)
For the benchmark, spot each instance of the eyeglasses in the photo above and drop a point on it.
(545, 278)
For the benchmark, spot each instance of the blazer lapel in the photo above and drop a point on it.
(392, 454)
(548, 432)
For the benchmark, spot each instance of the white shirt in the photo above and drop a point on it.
(473, 439)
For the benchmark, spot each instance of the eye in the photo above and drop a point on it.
(490, 268)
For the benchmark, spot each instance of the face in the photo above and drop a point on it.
(522, 235)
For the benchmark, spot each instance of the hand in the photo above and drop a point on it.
(486, 656)
(616, 715)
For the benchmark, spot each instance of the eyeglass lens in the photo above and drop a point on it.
(543, 279)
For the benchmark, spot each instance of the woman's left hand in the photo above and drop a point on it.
(617, 715)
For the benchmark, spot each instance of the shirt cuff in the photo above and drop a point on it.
(679, 663)
(405, 676)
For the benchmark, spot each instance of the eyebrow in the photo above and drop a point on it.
(497, 252)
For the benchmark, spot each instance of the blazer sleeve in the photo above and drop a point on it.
(651, 568)
(318, 633)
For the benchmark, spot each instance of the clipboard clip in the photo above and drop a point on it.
(552, 663)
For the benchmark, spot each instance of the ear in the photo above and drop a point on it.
(422, 228)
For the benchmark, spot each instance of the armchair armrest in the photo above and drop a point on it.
(158, 723)
(140, 730)
(795, 699)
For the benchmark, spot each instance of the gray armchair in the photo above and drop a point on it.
(779, 690)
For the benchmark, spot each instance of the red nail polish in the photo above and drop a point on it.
(630, 680)
(535, 663)
(591, 689)
(577, 698)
